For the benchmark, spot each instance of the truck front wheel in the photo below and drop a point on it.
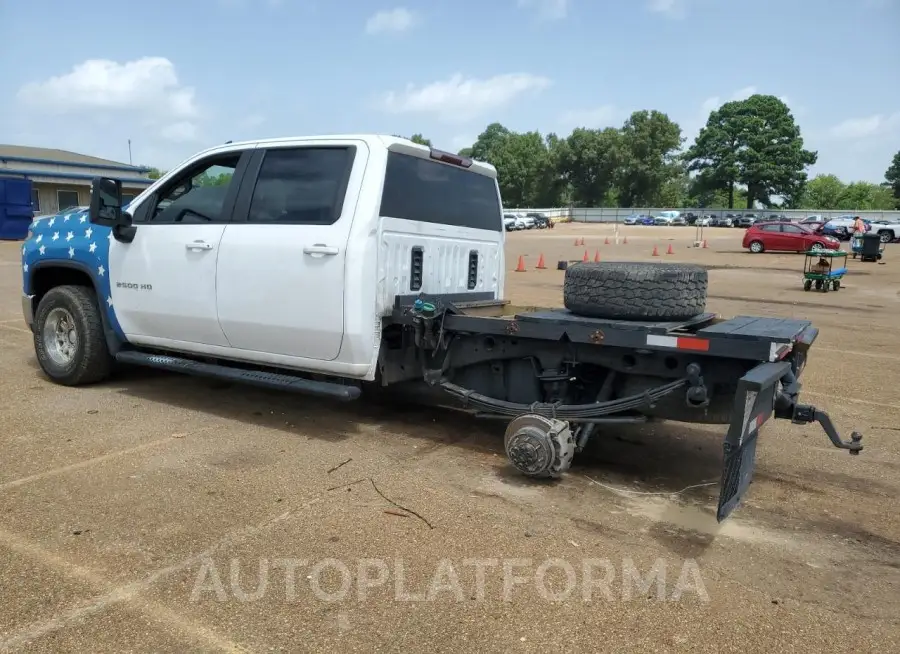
(68, 337)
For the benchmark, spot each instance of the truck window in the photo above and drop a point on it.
(198, 195)
(304, 186)
(429, 191)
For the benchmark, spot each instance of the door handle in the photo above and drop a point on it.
(198, 245)
(319, 250)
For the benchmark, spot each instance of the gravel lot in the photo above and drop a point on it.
(144, 513)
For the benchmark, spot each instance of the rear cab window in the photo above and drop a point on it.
(425, 190)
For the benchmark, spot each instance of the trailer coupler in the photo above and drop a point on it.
(804, 414)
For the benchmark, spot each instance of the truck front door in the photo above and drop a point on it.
(282, 261)
(163, 283)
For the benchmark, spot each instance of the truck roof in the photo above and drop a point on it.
(384, 140)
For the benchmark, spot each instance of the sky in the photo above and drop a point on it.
(175, 77)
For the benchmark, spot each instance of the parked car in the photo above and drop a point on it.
(633, 219)
(786, 237)
(691, 218)
(669, 218)
(840, 227)
(888, 230)
(540, 220)
(528, 221)
(647, 220)
(724, 221)
(512, 223)
(745, 221)
(815, 218)
(703, 221)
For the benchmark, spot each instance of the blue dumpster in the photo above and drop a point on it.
(16, 212)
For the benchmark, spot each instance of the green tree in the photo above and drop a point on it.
(892, 178)
(865, 196)
(588, 161)
(649, 141)
(754, 142)
(421, 140)
(155, 173)
(823, 192)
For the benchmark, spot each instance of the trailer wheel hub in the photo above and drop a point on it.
(539, 446)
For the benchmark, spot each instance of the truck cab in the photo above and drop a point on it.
(286, 252)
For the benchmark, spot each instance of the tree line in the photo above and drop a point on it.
(750, 153)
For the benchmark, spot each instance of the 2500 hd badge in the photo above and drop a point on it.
(137, 287)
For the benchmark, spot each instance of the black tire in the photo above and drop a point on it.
(635, 291)
(90, 360)
(885, 236)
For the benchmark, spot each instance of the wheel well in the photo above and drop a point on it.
(50, 277)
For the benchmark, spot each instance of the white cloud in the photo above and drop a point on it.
(869, 126)
(669, 8)
(399, 19)
(145, 89)
(459, 99)
(547, 9)
(598, 117)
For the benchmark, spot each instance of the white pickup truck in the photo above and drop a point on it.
(327, 265)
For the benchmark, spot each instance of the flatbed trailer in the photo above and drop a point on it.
(740, 371)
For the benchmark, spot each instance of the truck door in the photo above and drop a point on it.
(282, 262)
(163, 283)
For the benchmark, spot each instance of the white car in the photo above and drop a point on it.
(668, 218)
(888, 229)
(512, 223)
(703, 221)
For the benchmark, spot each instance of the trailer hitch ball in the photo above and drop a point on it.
(538, 446)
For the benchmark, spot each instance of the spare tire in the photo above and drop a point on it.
(635, 291)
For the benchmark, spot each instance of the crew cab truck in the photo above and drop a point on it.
(332, 264)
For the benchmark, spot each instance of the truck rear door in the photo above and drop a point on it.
(441, 226)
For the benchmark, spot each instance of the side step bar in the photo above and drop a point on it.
(273, 380)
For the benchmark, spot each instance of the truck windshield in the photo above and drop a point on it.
(429, 191)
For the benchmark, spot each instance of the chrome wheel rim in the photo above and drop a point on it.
(60, 337)
(755, 247)
(817, 247)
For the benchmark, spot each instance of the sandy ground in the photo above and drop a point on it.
(169, 514)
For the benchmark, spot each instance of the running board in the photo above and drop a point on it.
(273, 380)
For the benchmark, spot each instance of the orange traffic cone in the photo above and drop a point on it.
(655, 252)
(577, 242)
(521, 266)
(704, 244)
(540, 264)
(670, 250)
(597, 256)
(625, 241)
(582, 241)
(606, 242)
(585, 257)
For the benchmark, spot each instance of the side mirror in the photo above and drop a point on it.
(106, 203)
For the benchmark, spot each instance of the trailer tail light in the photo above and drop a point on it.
(473, 269)
(416, 264)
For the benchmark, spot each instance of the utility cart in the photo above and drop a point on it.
(824, 270)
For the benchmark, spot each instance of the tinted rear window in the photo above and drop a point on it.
(432, 192)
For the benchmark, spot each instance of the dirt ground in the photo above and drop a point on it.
(168, 514)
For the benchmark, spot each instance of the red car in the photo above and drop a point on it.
(786, 237)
